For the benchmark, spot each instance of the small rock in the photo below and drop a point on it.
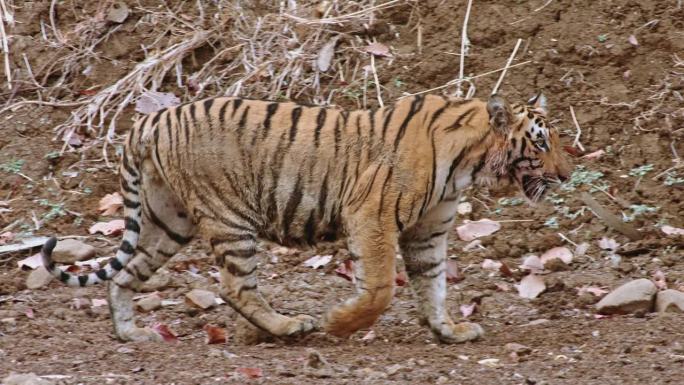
(157, 282)
(317, 366)
(555, 265)
(38, 278)
(9, 321)
(70, 251)
(393, 369)
(149, 303)
(25, 379)
(442, 380)
(203, 299)
(670, 301)
(631, 297)
(518, 349)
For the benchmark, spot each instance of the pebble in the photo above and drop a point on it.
(393, 369)
(631, 297)
(25, 379)
(38, 278)
(70, 251)
(670, 301)
(157, 282)
(203, 299)
(518, 349)
(149, 303)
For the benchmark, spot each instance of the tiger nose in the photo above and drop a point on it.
(562, 177)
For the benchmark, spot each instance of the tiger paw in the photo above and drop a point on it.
(139, 335)
(450, 333)
(301, 324)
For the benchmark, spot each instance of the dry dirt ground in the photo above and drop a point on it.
(627, 96)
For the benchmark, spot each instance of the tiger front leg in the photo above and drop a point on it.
(236, 256)
(424, 248)
(373, 243)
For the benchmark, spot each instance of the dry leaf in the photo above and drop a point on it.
(165, 333)
(476, 244)
(318, 261)
(669, 230)
(326, 54)
(502, 286)
(6, 237)
(594, 155)
(369, 337)
(660, 280)
(114, 227)
(597, 291)
(532, 263)
(505, 270)
(562, 253)
(378, 49)
(31, 262)
(203, 299)
(452, 273)
(215, 334)
(581, 249)
(152, 101)
(118, 13)
(97, 302)
(489, 264)
(468, 310)
(110, 204)
(608, 244)
(490, 362)
(531, 286)
(346, 270)
(475, 229)
(250, 372)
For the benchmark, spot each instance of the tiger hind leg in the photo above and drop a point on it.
(235, 250)
(424, 248)
(373, 245)
(165, 229)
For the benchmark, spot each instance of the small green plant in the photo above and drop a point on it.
(641, 170)
(579, 177)
(555, 199)
(13, 166)
(552, 223)
(671, 180)
(511, 201)
(55, 209)
(603, 38)
(638, 210)
(398, 83)
(52, 155)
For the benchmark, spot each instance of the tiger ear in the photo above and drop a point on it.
(538, 102)
(500, 114)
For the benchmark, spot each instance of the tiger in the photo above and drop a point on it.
(234, 171)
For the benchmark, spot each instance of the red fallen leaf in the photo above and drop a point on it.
(468, 310)
(572, 151)
(250, 372)
(29, 313)
(114, 227)
(215, 334)
(452, 273)
(346, 270)
(164, 332)
(505, 270)
(401, 279)
(110, 204)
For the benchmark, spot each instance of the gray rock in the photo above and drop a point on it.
(149, 303)
(157, 282)
(70, 251)
(670, 301)
(634, 296)
(518, 349)
(38, 278)
(25, 379)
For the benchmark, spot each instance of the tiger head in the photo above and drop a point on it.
(531, 155)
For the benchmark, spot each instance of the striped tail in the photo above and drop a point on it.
(130, 188)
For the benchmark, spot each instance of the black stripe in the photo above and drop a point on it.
(387, 122)
(270, 111)
(82, 280)
(416, 106)
(178, 238)
(310, 229)
(240, 253)
(320, 121)
(243, 121)
(231, 238)
(323, 197)
(222, 115)
(459, 122)
(132, 225)
(126, 247)
(64, 276)
(157, 116)
(291, 206)
(436, 115)
(478, 167)
(420, 268)
(207, 106)
(382, 193)
(296, 114)
(236, 105)
(452, 168)
(397, 214)
(433, 180)
(193, 112)
(237, 271)
(127, 166)
(337, 131)
(127, 188)
(131, 204)
(102, 274)
(115, 264)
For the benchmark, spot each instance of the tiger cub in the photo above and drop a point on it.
(234, 170)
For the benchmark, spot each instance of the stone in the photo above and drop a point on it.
(518, 349)
(670, 301)
(149, 303)
(633, 296)
(38, 278)
(25, 379)
(203, 299)
(70, 251)
(157, 282)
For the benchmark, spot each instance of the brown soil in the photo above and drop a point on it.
(580, 56)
